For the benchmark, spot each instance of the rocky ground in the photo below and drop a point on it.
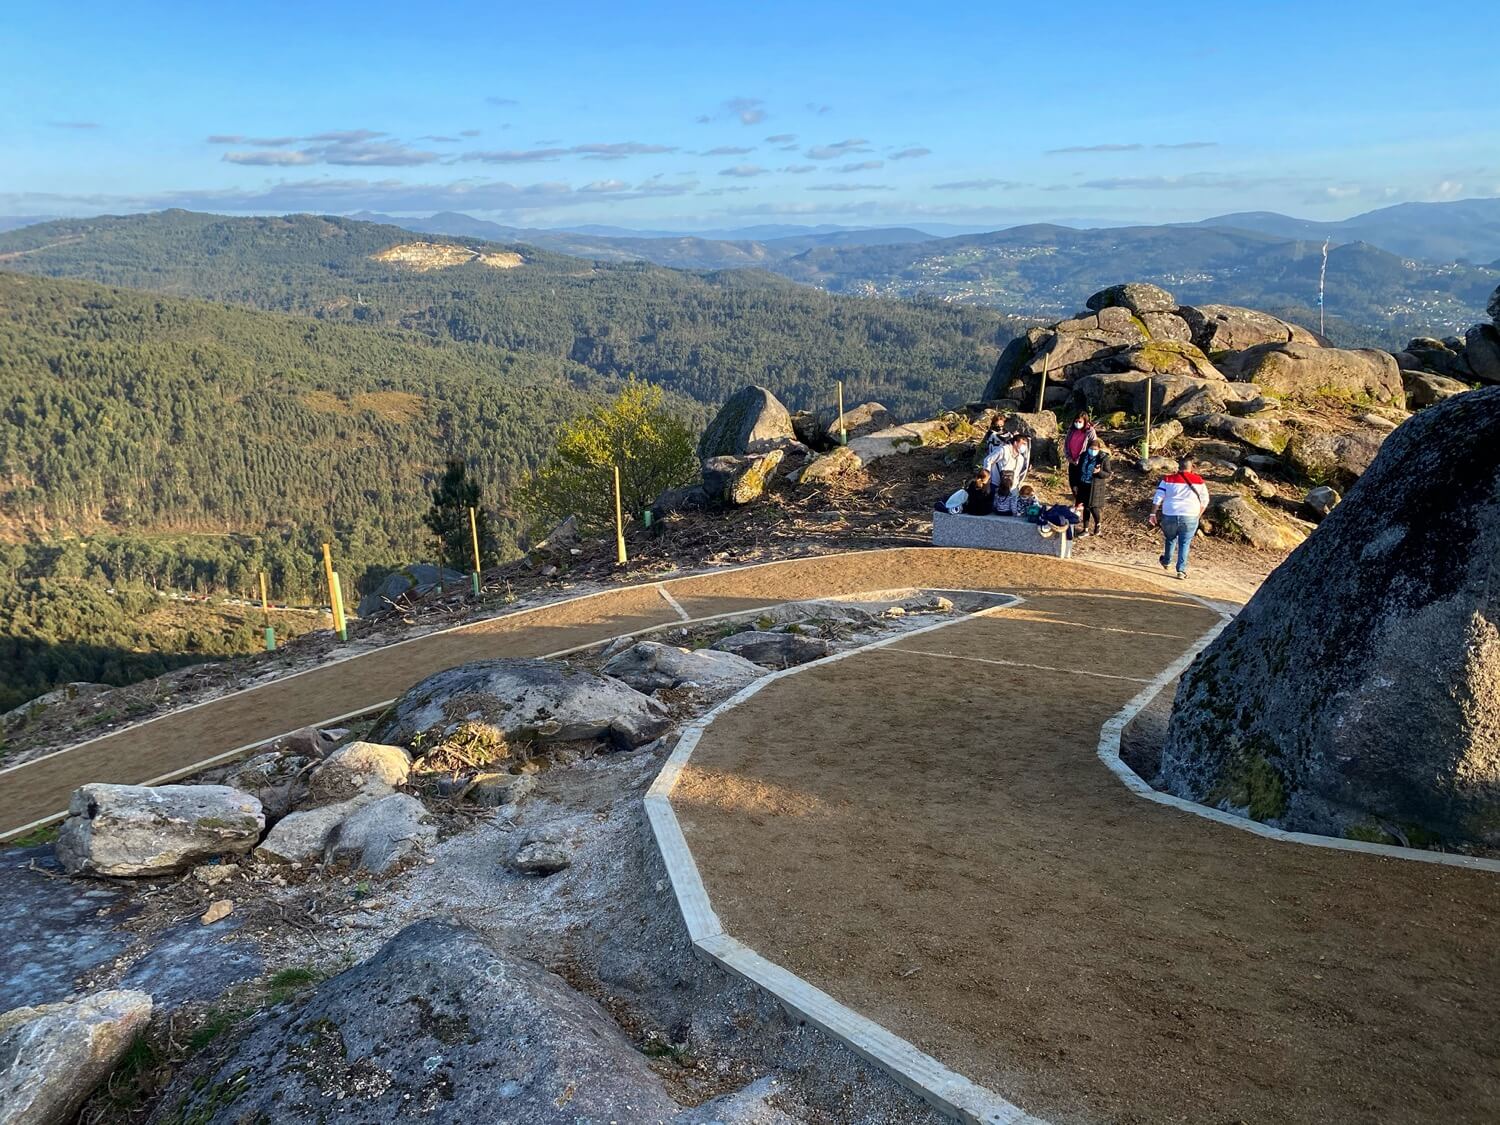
(524, 891)
(361, 921)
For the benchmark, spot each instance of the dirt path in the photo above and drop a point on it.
(180, 740)
(931, 839)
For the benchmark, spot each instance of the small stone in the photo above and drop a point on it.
(217, 911)
(1323, 499)
(541, 857)
(212, 874)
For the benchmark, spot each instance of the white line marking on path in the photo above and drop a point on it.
(673, 602)
(1019, 664)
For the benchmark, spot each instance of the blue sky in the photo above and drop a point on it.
(692, 116)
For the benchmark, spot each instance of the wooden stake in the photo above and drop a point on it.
(338, 601)
(335, 602)
(1041, 394)
(843, 433)
(1146, 440)
(474, 535)
(619, 522)
(442, 566)
(265, 609)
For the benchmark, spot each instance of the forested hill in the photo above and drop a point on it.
(702, 335)
(129, 412)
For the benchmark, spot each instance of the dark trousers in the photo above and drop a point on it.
(1074, 483)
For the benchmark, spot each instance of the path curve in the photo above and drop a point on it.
(925, 833)
(181, 742)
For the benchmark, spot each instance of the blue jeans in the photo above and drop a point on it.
(1178, 530)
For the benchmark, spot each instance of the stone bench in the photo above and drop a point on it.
(996, 533)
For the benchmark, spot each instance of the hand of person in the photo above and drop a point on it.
(1151, 520)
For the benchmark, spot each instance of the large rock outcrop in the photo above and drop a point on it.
(1101, 357)
(52, 1057)
(752, 420)
(1360, 688)
(1308, 373)
(538, 700)
(141, 830)
(436, 1025)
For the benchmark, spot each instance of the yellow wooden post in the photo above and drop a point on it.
(442, 566)
(265, 609)
(335, 602)
(338, 601)
(1146, 440)
(619, 522)
(843, 433)
(1041, 394)
(474, 536)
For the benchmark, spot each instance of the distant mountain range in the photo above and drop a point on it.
(1392, 274)
(1466, 229)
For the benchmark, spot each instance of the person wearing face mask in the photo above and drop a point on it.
(1075, 445)
(1093, 473)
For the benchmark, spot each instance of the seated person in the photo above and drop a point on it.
(971, 500)
(1060, 519)
(1028, 504)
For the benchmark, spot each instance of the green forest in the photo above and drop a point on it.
(701, 335)
(153, 443)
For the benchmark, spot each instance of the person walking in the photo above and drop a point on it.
(1093, 483)
(1075, 445)
(1179, 503)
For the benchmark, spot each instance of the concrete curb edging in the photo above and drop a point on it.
(1109, 753)
(239, 751)
(942, 1088)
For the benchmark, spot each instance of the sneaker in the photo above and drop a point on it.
(1166, 563)
(1182, 574)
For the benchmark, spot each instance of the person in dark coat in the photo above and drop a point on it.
(1093, 483)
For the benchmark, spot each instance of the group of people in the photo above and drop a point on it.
(998, 488)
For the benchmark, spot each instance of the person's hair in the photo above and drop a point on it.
(1084, 418)
(982, 477)
(1184, 463)
(997, 422)
(1096, 440)
(1027, 490)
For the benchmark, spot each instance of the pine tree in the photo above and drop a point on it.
(448, 518)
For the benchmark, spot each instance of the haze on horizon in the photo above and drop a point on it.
(976, 115)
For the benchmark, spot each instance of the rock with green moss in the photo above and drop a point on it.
(752, 420)
(736, 481)
(1338, 457)
(1320, 375)
(1172, 396)
(1241, 518)
(142, 830)
(1365, 672)
(1263, 435)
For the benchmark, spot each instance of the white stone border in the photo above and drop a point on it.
(1109, 754)
(919, 1072)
